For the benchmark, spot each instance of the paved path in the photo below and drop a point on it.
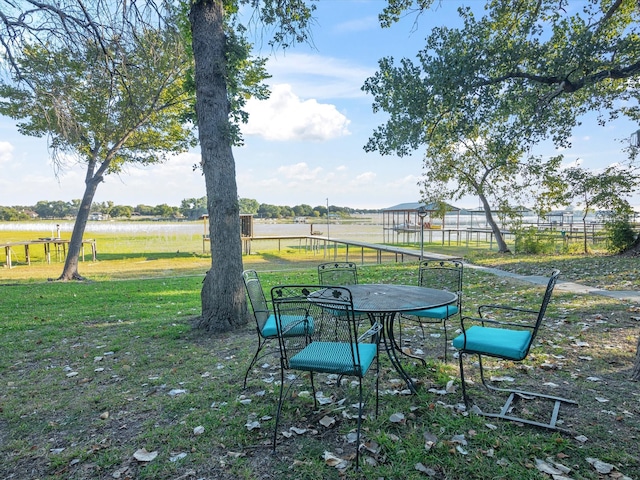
(625, 295)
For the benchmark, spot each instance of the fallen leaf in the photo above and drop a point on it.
(600, 466)
(397, 418)
(327, 421)
(143, 456)
(429, 471)
(544, 467)
(429, 440)
(334, 461)
(252, 425)
(199, 430)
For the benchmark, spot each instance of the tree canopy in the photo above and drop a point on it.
(540, 65)
(104, 103)
(525, 71)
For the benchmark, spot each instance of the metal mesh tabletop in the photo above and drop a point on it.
(379, 298)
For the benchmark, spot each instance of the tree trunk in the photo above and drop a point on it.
(70, 270)
(224, 306)
(635, 375)
(502, 245)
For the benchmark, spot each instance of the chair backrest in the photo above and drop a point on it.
(338, 273)
(326, 313)
(443, 275)
(553, 279)
(257, 299)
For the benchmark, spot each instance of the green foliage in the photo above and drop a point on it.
(249, 205)
(108, 103)
(606, 190)
(531, 241)
(490, 90)
(620, 234)
(12, 214)
(540, 63)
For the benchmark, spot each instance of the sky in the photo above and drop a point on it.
(305, 144)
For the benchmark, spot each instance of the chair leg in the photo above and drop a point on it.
(313, 391)
(261, 344)
(464, 386)
(275, 430)
(377, 381)
(446, 339)
(359, 423)
(398, 347)
(551, 424)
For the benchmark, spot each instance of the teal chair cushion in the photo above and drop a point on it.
(334, 357)
(437, 312)
(271, 330)
(496, 342)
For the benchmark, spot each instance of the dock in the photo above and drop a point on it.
(316, 243)
(53, 244)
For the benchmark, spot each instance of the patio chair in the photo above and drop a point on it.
(507, 339)
(338, 273)
(444, 275)
(333, 345)
(265, 320)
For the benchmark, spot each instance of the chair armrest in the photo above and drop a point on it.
(505, 307)
(373, 330)
(497, 323)
(291, 325)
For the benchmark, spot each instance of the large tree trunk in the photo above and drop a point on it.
(70, 270)
(224, 305)
(502, 245)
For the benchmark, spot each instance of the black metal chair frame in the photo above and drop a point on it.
(514, 394)
(447, 267)
(334, 273)
(315, 306)
(261, 312)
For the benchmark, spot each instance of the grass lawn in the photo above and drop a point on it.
(93, 372)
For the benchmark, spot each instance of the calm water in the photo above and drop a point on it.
(364, 231)
(368, 228)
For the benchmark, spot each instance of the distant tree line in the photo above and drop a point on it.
(189, 209)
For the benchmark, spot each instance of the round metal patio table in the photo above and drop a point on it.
(383, 302)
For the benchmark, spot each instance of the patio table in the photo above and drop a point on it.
(383, 302)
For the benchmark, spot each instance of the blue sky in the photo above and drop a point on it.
(303, 145)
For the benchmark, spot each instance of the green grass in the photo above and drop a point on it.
(121, 342)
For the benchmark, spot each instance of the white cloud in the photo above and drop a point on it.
(364, 179)
(299, 172)
(408, 180)
(358, 25)
(6, 152)
(284, 116)
(320, 76)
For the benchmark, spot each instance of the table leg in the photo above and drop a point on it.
(388, 339)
